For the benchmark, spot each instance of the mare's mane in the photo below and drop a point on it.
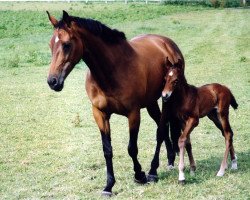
(108, 35)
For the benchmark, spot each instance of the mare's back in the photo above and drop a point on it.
(151, 51)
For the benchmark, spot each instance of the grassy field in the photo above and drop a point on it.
(50, 146)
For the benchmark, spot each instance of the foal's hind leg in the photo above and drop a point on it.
(213, 115)
(228, 134)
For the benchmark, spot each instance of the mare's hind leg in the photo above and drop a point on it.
(155, 113)
(102, 120)
(134, 124)
(228, 134)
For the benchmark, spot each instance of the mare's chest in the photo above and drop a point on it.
(114, 100)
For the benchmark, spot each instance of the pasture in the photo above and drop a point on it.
(50, 145)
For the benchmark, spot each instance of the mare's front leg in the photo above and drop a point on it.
(102, 120)
(161, 135)
(167, 120)
(189, 126)
(155, 114)
(134, 124)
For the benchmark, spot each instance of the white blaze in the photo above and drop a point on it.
(57, 39)
(171, 73)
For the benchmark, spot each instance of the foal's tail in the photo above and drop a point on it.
(233, 102)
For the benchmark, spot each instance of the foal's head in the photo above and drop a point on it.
(174, 76)
(66, 48)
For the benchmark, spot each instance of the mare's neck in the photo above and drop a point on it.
(104, 59)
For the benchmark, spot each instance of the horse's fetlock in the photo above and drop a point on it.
(111, 181)
(132, 151)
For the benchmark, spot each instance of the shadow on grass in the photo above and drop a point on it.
(207, 169)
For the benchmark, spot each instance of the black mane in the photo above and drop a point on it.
(111, 36)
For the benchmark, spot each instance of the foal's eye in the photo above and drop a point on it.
(66, 47)
(175, 82)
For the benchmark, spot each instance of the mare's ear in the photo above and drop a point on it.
(66, 18)
(168, 64)
(52, 19)
(179, 64)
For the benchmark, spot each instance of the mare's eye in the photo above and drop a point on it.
(66, 47)
(175, 82)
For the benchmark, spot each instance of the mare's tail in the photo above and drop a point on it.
(233, 102)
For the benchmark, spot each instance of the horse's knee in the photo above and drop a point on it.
(182, 142)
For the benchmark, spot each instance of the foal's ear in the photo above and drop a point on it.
(179, 64)
(66, 18)
(168, 64)
(52, 19)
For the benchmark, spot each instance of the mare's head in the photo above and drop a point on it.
(174, 76)
(66, 48)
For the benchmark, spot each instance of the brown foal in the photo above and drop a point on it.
(191, 103)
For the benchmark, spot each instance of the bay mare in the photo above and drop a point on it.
(124, 76)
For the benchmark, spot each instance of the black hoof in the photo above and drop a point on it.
(106, 194)
(182, 182)
(152, 178)
(141, 178)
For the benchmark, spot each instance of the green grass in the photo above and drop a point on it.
(50, 146)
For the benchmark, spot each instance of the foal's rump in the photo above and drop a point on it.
(233, 102)
(220, 94)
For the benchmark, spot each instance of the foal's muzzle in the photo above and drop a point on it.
(55, 83)
(165, 98)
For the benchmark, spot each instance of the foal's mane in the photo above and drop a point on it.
(108, 35)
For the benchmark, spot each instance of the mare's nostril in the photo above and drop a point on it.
(55, 84)
(54, 81)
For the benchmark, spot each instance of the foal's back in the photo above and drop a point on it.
(213, 96)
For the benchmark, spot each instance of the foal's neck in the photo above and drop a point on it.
(104, 60)
(183, 89)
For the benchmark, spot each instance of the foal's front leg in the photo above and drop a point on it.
(134, 124)
(191, 123)
(102, 120)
